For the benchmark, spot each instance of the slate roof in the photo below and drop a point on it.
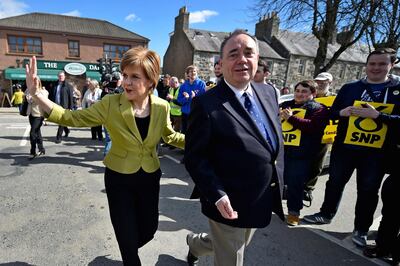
(69, 24)
(210, 41)
(299, 43)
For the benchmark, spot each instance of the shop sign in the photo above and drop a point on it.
(75, 69)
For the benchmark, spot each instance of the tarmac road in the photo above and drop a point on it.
(54, 211)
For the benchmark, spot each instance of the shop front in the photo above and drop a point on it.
(76, 73)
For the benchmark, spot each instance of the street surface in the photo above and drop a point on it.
(53, 211)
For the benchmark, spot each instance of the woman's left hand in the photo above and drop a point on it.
(32, 79)
(286, 113)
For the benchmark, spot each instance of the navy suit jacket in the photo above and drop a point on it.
(225, 154)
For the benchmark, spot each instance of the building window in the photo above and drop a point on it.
(342, 71)
(301, 66)
(270, 65)
(73, 48)
(24, 45)
(115, 51)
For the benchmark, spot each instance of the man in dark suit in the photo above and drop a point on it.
(62, 94)
(234, 153)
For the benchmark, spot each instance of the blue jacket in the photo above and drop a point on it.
(351, 92)
(198, 86)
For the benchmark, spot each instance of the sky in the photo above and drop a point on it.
(153, 19)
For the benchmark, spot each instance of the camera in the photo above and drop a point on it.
(110, 76)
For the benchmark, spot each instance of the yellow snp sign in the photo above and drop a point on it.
(331, 128)
(366, 131)
(292, 136)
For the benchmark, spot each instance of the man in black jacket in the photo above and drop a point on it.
(62, 94)
(234, 153)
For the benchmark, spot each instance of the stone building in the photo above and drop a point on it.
(201, 48)
(59, 42)
(289, 54)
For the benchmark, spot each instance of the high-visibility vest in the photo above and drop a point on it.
(175, 109)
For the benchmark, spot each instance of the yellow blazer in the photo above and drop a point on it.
(128, 152)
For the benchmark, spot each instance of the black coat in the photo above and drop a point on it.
(226, 154)
(66, 96)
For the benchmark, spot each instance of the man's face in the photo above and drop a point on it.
(61, 77)
(323, 85)
(239, 61)
(259, 76)
(166, 81)
(191, 74)
(174, 83)
(217, 70)
(378, 67)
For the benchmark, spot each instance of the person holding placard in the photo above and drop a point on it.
(359, 143)
(307, 128)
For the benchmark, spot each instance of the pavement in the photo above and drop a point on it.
(8, 109)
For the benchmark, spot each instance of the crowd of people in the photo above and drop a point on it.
(243, 150)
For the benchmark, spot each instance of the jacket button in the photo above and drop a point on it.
(273, 184)
(275, 162)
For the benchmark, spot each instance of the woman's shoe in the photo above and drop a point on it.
(40, 153)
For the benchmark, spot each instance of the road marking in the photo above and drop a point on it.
(172, 159)
(25, 136)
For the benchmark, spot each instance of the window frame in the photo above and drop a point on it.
(27, 48)
(301, 66)
(115, 49)
(73, 48)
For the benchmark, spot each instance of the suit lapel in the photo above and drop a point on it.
(266, 101)
(127, 113)
(154, 114)
(235, 108)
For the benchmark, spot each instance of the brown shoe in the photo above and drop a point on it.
(292, 220)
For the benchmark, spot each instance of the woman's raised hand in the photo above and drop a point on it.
(32, 79)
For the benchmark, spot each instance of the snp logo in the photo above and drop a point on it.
(366, 131)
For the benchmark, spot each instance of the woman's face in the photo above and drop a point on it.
(135, 83)
(302, 94)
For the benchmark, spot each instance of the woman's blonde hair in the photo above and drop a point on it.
(147, 60)
(94, 83)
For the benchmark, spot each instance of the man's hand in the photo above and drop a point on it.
(346, 111)
(185, 94)
(225, 208)
(367, 111)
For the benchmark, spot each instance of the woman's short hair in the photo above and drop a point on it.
(311, 84)
(147, 60)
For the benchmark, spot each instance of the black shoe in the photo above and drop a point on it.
(58, 141)
(40, 153)
(192, 260)
(66, 132)
(31, 157)
(375, 252)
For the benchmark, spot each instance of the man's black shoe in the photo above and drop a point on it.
(58, 141)
(192, 260)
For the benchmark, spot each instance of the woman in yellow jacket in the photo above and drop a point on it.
(136, 120)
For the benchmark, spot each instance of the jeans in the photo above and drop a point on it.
(370, 172)
(35, 135)
(295, 175)
(107, 146)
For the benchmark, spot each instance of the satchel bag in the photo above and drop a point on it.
(24, 107)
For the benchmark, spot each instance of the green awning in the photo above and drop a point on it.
(14, 73)
(93, 75)
(19, 74)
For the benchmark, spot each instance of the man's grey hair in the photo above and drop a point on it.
(233, 34)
